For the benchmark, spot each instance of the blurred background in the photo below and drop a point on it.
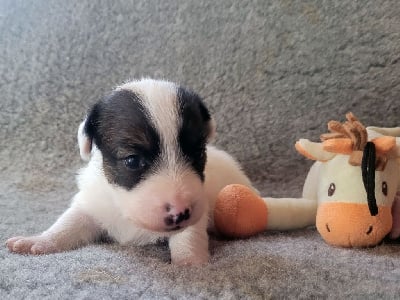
(271, 72)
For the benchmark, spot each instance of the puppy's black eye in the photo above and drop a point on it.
(135, 162)
(384, 188)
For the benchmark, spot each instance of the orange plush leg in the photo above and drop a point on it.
(239, 212)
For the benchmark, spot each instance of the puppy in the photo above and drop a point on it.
(150, 175)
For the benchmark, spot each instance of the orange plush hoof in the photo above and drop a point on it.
(239, 212)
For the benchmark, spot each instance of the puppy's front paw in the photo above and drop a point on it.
(195, 260)
(35, 245)
(190, 256)
(190, 247)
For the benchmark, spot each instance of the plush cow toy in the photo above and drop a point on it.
(350, 194)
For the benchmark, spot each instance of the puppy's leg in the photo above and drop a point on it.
(190, 247)
(73, 229)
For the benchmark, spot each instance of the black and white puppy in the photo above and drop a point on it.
(150, 174)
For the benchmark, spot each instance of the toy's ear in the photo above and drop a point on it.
(313, 151)
(385, 144)
(395, 151)
(376, 133)
(84, 140)
(380, 131)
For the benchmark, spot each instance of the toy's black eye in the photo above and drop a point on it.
(331, 189)
(384, 188)
(135, 162)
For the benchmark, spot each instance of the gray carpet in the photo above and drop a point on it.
(270, 71)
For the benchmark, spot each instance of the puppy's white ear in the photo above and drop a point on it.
(212, 130)
(84, 141)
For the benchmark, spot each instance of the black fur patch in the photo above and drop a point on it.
(194, 129)
(120, 127)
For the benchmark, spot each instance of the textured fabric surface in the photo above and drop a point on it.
(270, 71)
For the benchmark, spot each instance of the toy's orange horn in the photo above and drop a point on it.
(338, 145)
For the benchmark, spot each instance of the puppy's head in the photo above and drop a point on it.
(152, 138)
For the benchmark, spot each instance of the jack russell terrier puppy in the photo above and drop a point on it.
(150, 175)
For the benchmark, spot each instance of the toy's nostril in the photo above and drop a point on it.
(327, 227)
(370, 230)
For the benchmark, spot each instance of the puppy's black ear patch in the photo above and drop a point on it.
(194, 113)
(84, 140)
(210, 123)
(195, 130)
(92, 119)
(86, 133)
